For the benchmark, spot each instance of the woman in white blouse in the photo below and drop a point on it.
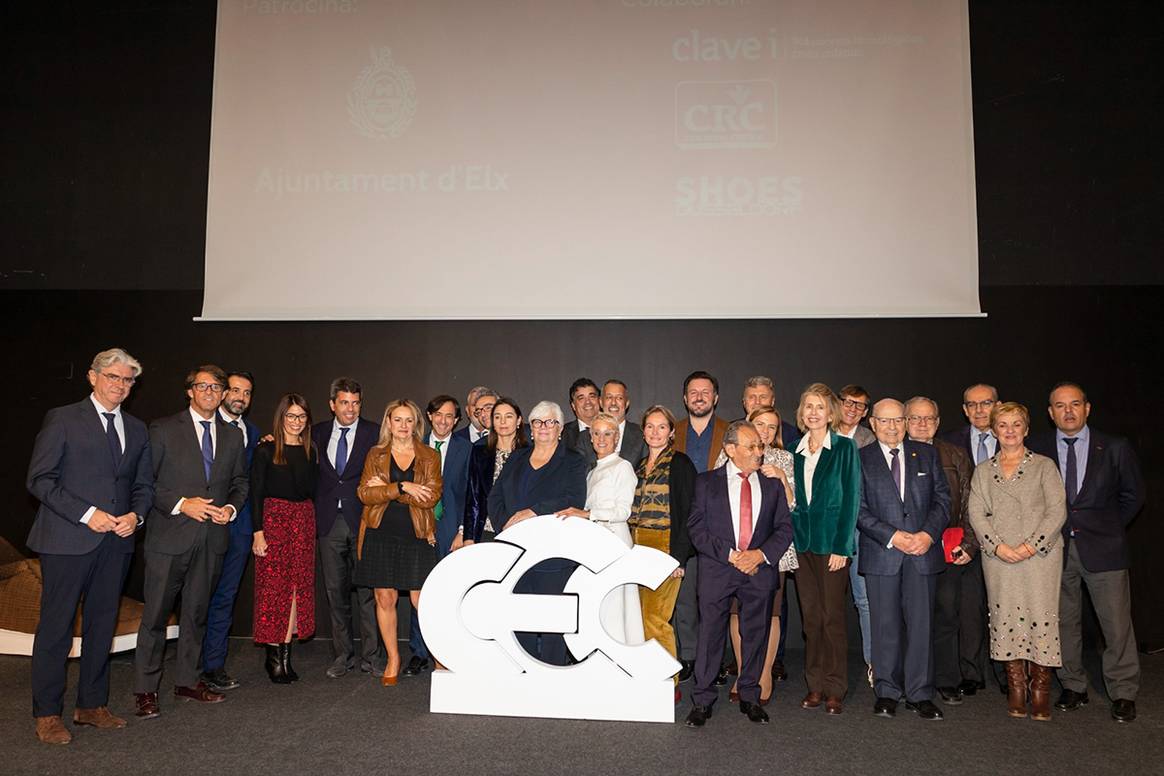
(610, 494)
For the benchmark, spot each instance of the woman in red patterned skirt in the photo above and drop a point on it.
(283, 477)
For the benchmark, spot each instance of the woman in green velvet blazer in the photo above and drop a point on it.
(828, 494)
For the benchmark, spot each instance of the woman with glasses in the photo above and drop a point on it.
(283, 477)
(541, 480)
(506, 434)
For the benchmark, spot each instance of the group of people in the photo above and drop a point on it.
(929, 534)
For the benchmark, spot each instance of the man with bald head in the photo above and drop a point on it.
(905, 506)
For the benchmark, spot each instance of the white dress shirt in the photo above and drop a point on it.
(885, 451)
(236, 422)
(199, 431)
(733, 483)
(810, 461)
(119, 427)
(444, 451)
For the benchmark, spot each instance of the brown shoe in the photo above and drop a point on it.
(199, 692)
(1016, 688)
(50, 730)
(99, 717)
(834, 705)
(1040, 692)
(811, 701)
(147, 705)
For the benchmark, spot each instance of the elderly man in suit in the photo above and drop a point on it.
(201, 483)
(479, 409)
(92, 472)
(977, 439)
(905, 506)
(1105, 492)
(344, 443)
(235, 403)
(740, 526)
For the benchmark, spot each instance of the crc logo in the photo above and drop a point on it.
(469, 615)
(382, 102)
(725, 114)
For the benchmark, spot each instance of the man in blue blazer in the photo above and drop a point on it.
(235, 403)
(740, 527)
(444, 412)
(92, 472)
(905, 506)
(343, 444)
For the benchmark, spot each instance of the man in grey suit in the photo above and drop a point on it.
(200, 481)
(92, 472)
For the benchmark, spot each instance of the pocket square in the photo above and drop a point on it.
(922, 474)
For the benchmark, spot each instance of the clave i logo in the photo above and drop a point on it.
(725, 114)
(382, 102)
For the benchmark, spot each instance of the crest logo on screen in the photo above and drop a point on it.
(725, 114)
(382, 102)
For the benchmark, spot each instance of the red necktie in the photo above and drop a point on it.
(745, 512)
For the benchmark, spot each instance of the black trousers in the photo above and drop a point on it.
(337, 562)
(960, 625)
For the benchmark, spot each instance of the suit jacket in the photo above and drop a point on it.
(633, 448)
(863, 436)
(455, 479)
(242, 524)
(827, 526)
(560, 483)
(1112, 495)
(179, 473)
(463, 433)
(961, 437)
(718, 429)
(332, 489)
(926, 508)
(426, 471)
(72, 469)
(713, 534)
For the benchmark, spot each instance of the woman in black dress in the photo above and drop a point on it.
(283, 477)
(400, 485)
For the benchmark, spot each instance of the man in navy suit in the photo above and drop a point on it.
(343, 444)
(479, 407)
(977, 439)
(905, 506)
(235, 403)
(740, 527)
(1105, 491)
(443, 415)
(92, 472)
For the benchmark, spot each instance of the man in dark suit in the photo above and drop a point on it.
(479, 409)
(92, 472)
(740, 527)
(201, 484)
(760, 391)
(443, 414)
(905, 506)
(1105, 492)
(615, 401)
(235, 403)
(343, 444)
(977, 439)
(586, 402)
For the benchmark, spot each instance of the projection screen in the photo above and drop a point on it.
(449, 159)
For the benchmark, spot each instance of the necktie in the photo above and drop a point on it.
(895, 468)
(745, 512)
(439, 509)
(207, 448)
(236, 424)
(114, 440)
(341, 451)
(1072, 470)
(982, 454)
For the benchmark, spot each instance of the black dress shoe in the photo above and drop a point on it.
(1071, 700)
(687, 670)
(219, 680)
(417, 665)
(698, 716)
(755, 712)
(1123, 711)
(778, 672)
(885, 707)
(722, 677)
(971, 687)
(925, 710)
(950, 696)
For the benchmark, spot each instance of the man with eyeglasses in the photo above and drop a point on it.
(960, 648)
(479, 408)
(977, 439)
(905, 506)
(854, 408)
(201, 483)
(92, 472)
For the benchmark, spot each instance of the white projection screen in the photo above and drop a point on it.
(460, 159)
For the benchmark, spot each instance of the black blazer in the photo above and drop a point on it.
(1111, 496)
(178, 473)
(481, 463)
(559, 484)
(681, 480)
(332, 489)
(72, 469)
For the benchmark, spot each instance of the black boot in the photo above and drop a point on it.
(285, 659)
(274, 665)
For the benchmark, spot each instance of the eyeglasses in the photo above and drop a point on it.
(890, 421)
(118, 379)
(852, 404)
(483, 409)
(922, 418)
(204, 387)
(296, 417)
(984, 404)
(753, 447)
(547, 423)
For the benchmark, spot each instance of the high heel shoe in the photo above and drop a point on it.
(274, 665)
(389, 679)
(285, 659)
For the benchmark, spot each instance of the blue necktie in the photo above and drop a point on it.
(341, 451)
(1072, 470)
(114, 440)
(207, 448)
(982, 453)
(895, 469)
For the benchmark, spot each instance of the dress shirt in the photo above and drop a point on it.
(699, 445)
(198, 432)
(851, 434)
(991, 443)
(900, 462)
(333, 443)
(444, 451)
(238, 423)
(733, 481)
(119, 427)
(1084, 437)
(475, 433)
(621, 433)
(811, 460)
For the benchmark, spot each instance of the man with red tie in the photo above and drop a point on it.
(740, 525)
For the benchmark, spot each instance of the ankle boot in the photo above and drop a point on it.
(274, 665)
(285, 659)
(1040, 692)
(1016, 688)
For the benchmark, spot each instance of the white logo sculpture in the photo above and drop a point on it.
(469, 615)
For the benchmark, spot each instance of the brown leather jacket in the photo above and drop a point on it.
(956, 464)
(426, 471)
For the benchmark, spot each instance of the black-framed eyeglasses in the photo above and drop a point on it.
(204, 387)
(548, 422)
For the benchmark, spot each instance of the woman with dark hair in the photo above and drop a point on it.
(506, 434)
(400, 486)
(283, 477)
